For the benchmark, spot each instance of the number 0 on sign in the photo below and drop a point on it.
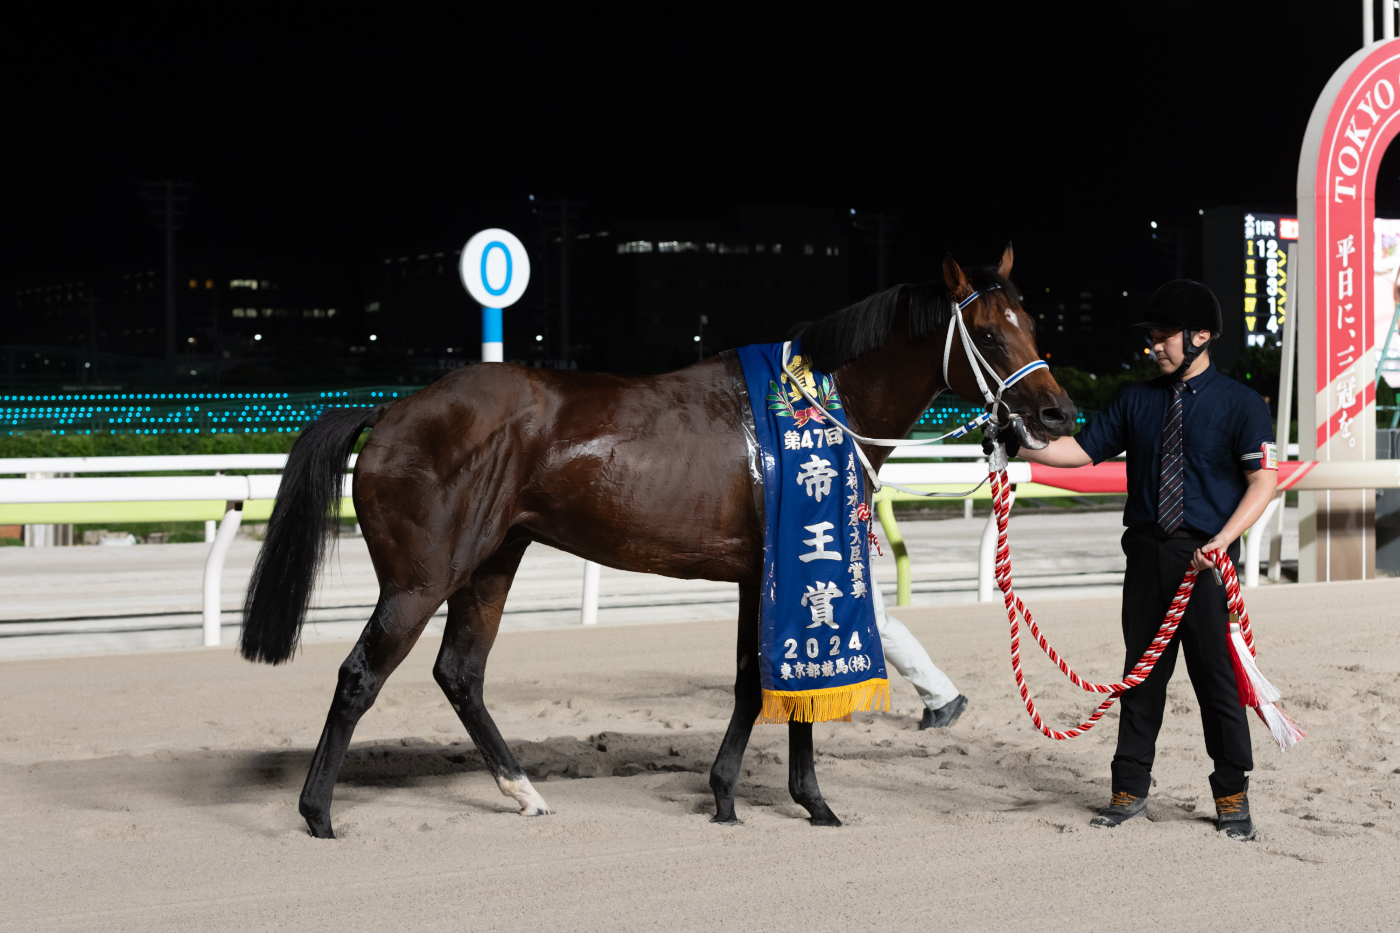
(495, 268)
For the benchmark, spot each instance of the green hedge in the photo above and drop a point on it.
(49, 444)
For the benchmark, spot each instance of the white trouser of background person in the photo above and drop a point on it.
(903, 651)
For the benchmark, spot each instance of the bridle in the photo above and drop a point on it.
(975, 357)
(991, 417)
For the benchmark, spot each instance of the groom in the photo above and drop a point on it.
(1202, 466)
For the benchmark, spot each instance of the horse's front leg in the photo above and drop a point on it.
(802, 775)
(748, 702)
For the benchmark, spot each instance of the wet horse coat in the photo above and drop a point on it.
(650, 474)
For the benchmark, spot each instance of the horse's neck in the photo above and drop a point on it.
(884, 391)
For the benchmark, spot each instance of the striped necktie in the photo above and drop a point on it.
(1171, 492)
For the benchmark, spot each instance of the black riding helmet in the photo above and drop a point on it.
(1188, 306)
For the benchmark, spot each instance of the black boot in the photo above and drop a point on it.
(945, 715)
(1232, 817)
(1124, 807)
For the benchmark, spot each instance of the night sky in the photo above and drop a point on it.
(332, 143)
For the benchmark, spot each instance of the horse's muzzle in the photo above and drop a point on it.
(1027, 439)
(1058, 418)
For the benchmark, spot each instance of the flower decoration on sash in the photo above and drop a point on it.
(819, 649)
(784, 398)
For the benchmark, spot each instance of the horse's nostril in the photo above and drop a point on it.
(1053, 417)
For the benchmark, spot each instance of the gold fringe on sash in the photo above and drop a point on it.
(830, 704)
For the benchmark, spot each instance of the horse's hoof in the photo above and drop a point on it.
(317, 823)
(523, 792)
(724, 810)
(320, 830)
(821, 814)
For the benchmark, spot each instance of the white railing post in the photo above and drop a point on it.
(967, 503)
(211, 527)
(1276, 542)
(589, 613)
(1254, 542)
(987, 554)
(214, 570)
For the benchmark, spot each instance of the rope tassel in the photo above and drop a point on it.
(1254, 688)
(1256, 691)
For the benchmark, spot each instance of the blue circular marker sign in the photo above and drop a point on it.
(495, 268)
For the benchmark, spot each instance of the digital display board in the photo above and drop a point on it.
(1265, 306)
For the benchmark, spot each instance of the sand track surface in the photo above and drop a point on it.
(158, 792)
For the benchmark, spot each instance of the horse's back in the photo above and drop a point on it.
(644, 473)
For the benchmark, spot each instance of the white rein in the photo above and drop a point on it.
(974, 359)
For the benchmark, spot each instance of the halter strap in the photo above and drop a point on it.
(974, 358)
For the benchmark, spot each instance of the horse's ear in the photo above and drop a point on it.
(1004, 267)
(953, 275)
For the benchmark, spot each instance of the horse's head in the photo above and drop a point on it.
(1004, 334)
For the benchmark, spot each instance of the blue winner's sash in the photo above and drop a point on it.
(819, 649)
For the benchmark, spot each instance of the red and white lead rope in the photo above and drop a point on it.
(1254, 690)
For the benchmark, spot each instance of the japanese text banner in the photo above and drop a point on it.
(820, 656)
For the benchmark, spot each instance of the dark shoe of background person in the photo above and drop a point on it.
(1232, 817)
(1124, 807)
(945, 715)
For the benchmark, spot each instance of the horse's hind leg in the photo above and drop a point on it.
(393, 629)
(802, 775)
(748, 702)
(473, 618)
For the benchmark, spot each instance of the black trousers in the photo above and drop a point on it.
(1156, 563)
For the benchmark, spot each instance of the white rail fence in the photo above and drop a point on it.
(1369, 474)
(233, 490)
(39, 487)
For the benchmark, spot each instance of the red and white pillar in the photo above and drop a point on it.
(1353, 121)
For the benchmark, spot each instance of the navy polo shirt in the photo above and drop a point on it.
(1222, 422)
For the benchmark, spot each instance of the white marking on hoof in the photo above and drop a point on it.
(524, 793)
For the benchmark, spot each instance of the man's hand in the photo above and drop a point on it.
(1260, 488)
(1200, 561)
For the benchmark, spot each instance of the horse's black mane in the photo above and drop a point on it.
(838, 338)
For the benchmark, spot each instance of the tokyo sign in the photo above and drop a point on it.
(1353, 121)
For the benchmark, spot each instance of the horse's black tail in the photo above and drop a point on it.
(291, 555)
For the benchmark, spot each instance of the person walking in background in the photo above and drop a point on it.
(1202, 466)
(943, 704)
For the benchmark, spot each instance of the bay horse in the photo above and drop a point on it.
(650, 474)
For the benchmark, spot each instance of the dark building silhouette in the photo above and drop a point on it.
(638, 292)
(120, 314)
(655, 295)
(642, 296)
